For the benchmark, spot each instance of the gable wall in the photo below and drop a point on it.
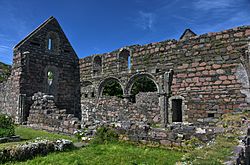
(32, 61)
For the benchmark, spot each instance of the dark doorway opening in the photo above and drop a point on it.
(177, 110)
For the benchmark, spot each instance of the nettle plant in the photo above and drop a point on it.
(6, 126)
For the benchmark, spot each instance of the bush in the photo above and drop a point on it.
(6, 126)
(105, 135)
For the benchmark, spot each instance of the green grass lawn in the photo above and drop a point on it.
(109, 154)
(29, 134)
(112, 153)
(220, 151)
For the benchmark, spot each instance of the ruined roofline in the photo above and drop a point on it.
(171, 41)
(41, 26)
(111, 52)
(34, 31)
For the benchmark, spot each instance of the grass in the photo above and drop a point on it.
(130, 154)
(109, 154)
(29, 134)
(219, 151)
(214, 154)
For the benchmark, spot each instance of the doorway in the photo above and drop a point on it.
(177, 110)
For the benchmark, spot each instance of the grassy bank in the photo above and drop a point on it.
(29, 134)
(109, 154)
(219, 151)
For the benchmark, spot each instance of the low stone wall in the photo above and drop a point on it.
(175, 134)
(113, 109)
(27, 151)
(10, 139)
(44, 114)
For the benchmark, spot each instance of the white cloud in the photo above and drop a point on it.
(145, 20)
(238, 19)
(214, 4)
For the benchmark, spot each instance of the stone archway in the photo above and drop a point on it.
(137, 76)
(124, 60)
(97, 65)
(104, 82)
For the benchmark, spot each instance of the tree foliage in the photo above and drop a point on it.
(6, 126)
(112, 88)
(4, 71)
(143, 84)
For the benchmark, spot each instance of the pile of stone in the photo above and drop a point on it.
(44, 114)
(29, 150)
(10, 139)
(241, 153)
(176, 134)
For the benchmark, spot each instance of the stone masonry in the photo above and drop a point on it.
(44, 114)
(198, 78)
(211, 73)
(44, 51)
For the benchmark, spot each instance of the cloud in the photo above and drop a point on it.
(214, 4)
(237, 19)
(145, 20)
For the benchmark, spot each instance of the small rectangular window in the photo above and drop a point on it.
(129, 62)
(92, 94)
(210, 115)
(49, 44)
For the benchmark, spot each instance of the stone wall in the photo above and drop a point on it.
(44, 50)
(45, 115)
(11, 102)
(113, 109)
(29, 150)
(211, 71)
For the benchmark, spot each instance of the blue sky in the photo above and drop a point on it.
(99, 26)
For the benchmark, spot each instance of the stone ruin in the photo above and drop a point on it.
(197, 79)
(44, 114)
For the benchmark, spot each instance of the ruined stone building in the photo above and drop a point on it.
(197, 79)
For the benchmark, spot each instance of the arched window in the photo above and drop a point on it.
(124, 60)
(97, 65)
(142, 84)
(110, 87)
(50, 78)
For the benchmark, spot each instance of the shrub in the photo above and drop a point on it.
(105, 135)
(6, 126)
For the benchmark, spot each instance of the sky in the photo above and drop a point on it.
(100, 26)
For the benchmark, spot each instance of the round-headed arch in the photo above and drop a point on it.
(97, 65)
(138, 76)
(103, 84)
(124, 59)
